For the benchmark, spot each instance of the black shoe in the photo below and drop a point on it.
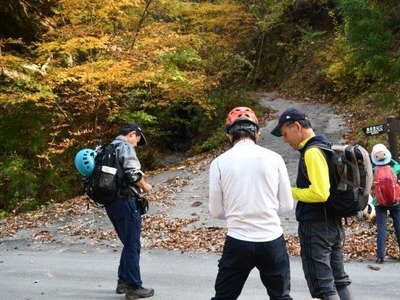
(137, 293)
(380, 260)
(122, 286)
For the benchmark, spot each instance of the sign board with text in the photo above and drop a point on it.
(392, 128)
(375, 129)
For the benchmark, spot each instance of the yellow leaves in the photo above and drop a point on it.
(89, 75)
(77, 11)
(19, 83)
(113, 8)
(160, 35)
(99, 11)
(65, 144)
(335, 71)
(9, 59)
(84, 44)
(226, 16)
(47, 48)
(72, 47)
(18, 98)
(108, 73)
(178, 58)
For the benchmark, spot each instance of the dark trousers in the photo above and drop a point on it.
(322, 257)
(127, 223)
(381, 222)
(240, 257)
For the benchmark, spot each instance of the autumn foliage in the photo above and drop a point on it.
(160, 63)
(72, 70)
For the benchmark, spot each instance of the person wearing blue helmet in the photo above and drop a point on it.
(124, 213)
(381, 156)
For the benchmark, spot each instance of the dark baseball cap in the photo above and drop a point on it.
(291, 114)
(129, 127)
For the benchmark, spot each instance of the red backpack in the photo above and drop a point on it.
(386, 188)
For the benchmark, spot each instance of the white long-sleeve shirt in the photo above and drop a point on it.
(249, 185)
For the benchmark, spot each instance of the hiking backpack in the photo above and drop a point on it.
(103, 184)
(350, 173)
(386, 188)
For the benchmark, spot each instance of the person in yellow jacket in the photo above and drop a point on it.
(321, 234)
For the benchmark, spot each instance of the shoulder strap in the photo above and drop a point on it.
(319, 146)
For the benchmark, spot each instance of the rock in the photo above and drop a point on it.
(375, 268)
(197, 203)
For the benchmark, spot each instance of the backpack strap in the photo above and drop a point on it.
(325, 149)
(319, 146)
(115, 150)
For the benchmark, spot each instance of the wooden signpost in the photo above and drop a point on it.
(392, 128)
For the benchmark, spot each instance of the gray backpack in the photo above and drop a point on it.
(350, 172)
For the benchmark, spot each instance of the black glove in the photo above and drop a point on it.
(142, 205)
(132, 176)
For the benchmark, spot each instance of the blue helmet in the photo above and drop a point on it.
(84, 161)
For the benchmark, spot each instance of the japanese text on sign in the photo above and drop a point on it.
(375, 129)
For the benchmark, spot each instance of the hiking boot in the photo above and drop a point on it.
(380, 260)
(137, 293)
(122, 286)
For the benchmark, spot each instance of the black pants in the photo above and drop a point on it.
(322, 257)
(240, 257)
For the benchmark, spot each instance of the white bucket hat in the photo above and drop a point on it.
(380, 155)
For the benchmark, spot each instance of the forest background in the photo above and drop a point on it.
(71, 71)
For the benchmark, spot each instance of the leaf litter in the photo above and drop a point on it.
(69, 218)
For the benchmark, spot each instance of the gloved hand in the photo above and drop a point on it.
(132, 176)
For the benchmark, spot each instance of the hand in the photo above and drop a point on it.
(146, 187)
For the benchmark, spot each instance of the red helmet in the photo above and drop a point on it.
(239, 114)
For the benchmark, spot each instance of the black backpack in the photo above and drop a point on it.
(350, 173)
(103, 185)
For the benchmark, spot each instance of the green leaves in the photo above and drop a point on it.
(19, 182)
(369, 36)
(181, 59)
(309, 34)
(126, 116)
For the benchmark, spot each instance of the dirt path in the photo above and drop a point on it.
(179, 217)
(324, 121)
(67, 251)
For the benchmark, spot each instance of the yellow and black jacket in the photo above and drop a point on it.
(313, 183)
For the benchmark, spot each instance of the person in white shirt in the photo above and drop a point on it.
(249, 186)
